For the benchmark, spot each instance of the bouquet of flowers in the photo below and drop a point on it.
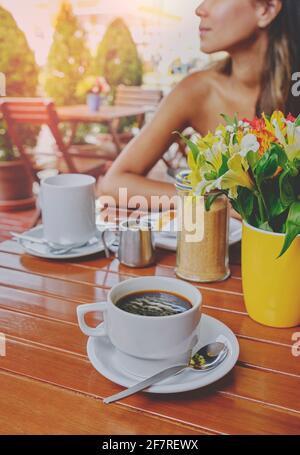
(92, 84)
(257, 165)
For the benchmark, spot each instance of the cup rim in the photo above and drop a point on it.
(269, 233)
(89, 180)
(194, 308)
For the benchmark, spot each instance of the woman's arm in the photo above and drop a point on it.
(142, 153)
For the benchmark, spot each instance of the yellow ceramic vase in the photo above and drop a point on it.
(271, 286)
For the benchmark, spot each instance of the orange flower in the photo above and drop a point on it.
(265, 139)
(264, 136)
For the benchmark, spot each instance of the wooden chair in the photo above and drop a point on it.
(136, 97)
(69, 158)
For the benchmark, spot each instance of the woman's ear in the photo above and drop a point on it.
(267, 11)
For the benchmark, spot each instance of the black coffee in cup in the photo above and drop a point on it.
(154, 303)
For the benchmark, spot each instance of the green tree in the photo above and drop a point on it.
(117, 56)
(69, 59)
(17, 63)
(17, 60)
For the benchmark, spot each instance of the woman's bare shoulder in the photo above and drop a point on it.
(200, 83)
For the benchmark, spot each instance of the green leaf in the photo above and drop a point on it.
(266, 166)
(297, 122)
(231, 121)
(210, 175)
(246, 202)
(200, 160)
(281, 154)
(265, 227)
(276, 207)
(224, 166)
(292, 227)
(235, 139)
(287, 193)
(236, 120)
(252, 159)
(227, 119)
(211, 199)
(192, 146)
(294, 167)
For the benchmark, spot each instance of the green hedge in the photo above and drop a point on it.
(17, 63)
(69, 59)
(117, 57)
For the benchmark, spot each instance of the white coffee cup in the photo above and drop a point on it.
(68, 208)
(147, 344)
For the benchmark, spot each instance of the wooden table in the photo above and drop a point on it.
(109, 115)
(17, 222)
(47, 384)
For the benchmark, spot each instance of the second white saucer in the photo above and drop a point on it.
(36, 249)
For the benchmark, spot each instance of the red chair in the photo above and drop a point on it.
(68, 158)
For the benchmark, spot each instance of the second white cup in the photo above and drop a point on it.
(68, 208)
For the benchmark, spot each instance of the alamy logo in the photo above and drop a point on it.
(296, 345)
(296, 86)
(2, 84)
(2, 345)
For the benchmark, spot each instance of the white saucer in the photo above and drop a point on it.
(167, 238)
(103, 355)
(36, 249)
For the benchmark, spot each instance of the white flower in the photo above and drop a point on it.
(249, 143)
(278, 133)
(230, 129)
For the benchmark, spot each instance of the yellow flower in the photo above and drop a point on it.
(237, 175)
(206, 142)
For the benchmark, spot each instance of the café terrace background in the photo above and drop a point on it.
(165, 31)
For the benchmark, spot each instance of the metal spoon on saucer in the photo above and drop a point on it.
(53, 248)
(204, 360)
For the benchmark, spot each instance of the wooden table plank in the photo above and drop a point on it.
(81, 113)
(68, 413)
(223, 412)
(164, 259)
(49, 326)
(85, 292)
(38, 300)
(18, 221)
(68, 338)
(65, 268)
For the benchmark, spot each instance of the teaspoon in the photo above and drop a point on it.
(205, 359)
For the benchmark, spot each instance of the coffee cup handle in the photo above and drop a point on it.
(82, 310)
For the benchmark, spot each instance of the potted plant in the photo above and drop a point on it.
(15, 181)
(257, 165)
(93, 88)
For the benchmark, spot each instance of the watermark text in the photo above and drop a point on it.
(296, 86)
(2, 345)
(2, 84)
(190, 209)
(296, 345)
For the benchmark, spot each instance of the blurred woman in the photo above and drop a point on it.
(262, 40)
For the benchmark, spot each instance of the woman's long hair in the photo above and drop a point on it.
(282, 61)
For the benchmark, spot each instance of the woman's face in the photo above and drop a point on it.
(226, 24)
